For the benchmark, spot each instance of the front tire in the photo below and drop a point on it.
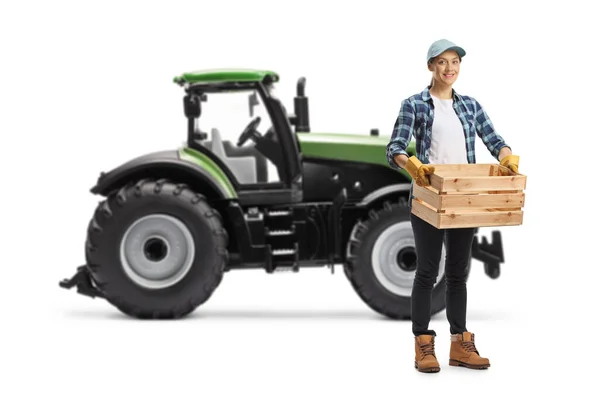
(156, 249)
(382, 262)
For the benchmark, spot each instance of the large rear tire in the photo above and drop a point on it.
(156, 249)
(382, 262)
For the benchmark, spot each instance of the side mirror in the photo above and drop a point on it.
(252, 101)
(191, 106)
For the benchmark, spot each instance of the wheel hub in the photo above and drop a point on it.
(394, 259)
(407, 259)
(157, 251)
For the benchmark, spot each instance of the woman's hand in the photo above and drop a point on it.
(508, 159)
(420, 172)
(511, 162)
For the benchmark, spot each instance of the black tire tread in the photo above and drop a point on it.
(378, 300)
(371, 299)
(105, 212)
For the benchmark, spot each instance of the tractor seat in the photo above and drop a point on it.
(243, 168)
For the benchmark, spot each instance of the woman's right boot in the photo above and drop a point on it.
(425, 359)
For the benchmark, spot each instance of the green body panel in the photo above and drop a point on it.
(225, 75)
(348, 147)
(209, 166)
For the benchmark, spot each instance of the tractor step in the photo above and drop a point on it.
(285, 259)
(280, 236)
(275, 232)
(283, 252)
(281, 232)
(279, 213)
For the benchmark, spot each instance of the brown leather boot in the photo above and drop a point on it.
(463, 352)
(425, 360)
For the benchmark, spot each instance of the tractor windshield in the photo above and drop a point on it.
(225, 115)
(230, 112)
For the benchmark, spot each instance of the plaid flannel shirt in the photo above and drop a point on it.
(416, 119)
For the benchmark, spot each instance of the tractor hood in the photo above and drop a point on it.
(346, 147)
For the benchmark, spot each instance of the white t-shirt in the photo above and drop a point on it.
(448, 145)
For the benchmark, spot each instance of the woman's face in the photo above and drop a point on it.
(445, 67)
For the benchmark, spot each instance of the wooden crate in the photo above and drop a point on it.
(471, 195)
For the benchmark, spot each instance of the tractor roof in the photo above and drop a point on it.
(226, 75)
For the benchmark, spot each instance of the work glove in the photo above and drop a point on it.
(420, 172)
(511, 162)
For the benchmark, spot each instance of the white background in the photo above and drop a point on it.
(85, 87)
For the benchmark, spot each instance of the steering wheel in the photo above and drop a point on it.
(250, 132)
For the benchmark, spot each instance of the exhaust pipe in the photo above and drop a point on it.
(301, 119)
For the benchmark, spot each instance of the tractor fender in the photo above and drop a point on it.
(183, 165)
(385, 192)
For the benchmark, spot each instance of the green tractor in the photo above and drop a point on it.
(171, 223)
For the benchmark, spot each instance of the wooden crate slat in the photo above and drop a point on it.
(436, 182)
(428, 195)
(467, 219)
(476, 210)
(497, 199)
(479, 183)
(445, 170)
(425, 212)
(473, 220)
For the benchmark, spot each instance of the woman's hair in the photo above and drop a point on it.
(430, 82)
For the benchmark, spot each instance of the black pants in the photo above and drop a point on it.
(428, 243)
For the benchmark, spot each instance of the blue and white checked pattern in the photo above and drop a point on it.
(416, 119)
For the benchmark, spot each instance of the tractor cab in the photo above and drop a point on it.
(261, 157)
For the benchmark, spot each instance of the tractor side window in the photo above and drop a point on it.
(224, 117)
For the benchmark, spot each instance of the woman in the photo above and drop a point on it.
(444, 125)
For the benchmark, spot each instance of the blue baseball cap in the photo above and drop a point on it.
(442, 45)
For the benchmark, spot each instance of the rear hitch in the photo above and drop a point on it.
(83, 281)
(491, 254)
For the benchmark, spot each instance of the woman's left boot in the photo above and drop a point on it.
(463, 352)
